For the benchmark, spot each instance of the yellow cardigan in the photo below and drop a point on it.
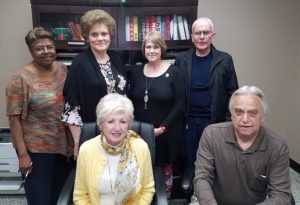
(90, 165)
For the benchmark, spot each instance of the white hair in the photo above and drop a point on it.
(112, 103)
(203, 19)
(252, 90)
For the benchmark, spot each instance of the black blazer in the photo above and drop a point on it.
(85, 84)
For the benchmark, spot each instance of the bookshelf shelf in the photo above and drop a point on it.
(56, 15)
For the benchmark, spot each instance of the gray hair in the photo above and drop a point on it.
(250, 90)
(203, 19)
(112, 103)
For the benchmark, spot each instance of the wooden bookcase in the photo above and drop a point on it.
(57, 13)
(57, 16)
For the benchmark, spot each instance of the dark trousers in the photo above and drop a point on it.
(193, 133)
(44, 183)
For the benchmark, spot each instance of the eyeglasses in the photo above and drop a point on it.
(43, 48)
(204, 33)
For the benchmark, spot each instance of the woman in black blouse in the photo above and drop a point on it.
(93, 73)
(157, 93)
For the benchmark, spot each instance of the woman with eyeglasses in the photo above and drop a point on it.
(94, 73)
(34, 106)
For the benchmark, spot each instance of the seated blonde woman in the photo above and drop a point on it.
(115, 166)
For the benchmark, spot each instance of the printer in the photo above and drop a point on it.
(8, 157)
(10, 178)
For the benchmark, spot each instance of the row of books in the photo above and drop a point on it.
(65, 31)
(172, 27)
(75, 31)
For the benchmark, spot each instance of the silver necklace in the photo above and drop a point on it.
(146, 97)
(147, 87)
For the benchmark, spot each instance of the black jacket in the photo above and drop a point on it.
(222, 81)
(85, 85)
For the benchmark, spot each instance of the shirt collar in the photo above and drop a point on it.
(260, 143)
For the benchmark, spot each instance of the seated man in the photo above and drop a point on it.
(242, 162)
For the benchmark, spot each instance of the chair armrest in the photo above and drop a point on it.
(67, 190)
(187, 180)
(160, 187)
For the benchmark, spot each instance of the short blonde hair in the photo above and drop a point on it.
(92, 17)
(112, 103)
(156, 38)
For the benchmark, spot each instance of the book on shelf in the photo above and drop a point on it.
(168, 27)
(127, 27)
(73, 31)
(135, 28)
(147, 24)
(153, 23)
(162, 27)
(78, 29)
(174, 28)
(158, 23)
(180, 26)
(186, 28)
(142, 28)
(131, 28)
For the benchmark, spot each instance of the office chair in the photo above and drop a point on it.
(146, 131)
(187, 184)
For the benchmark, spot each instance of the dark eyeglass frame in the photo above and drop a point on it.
(204, 33)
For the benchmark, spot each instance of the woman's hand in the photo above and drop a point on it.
(25, 163)
(158, 131)
(76, 150)
(75, 130)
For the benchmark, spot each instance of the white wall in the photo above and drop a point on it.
(15, 22)
(293, 117)
(263, 38)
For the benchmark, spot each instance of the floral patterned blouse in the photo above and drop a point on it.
(40, 104)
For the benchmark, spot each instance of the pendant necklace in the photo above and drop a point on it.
(146, 97)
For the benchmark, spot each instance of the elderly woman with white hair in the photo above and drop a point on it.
(115, 166)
